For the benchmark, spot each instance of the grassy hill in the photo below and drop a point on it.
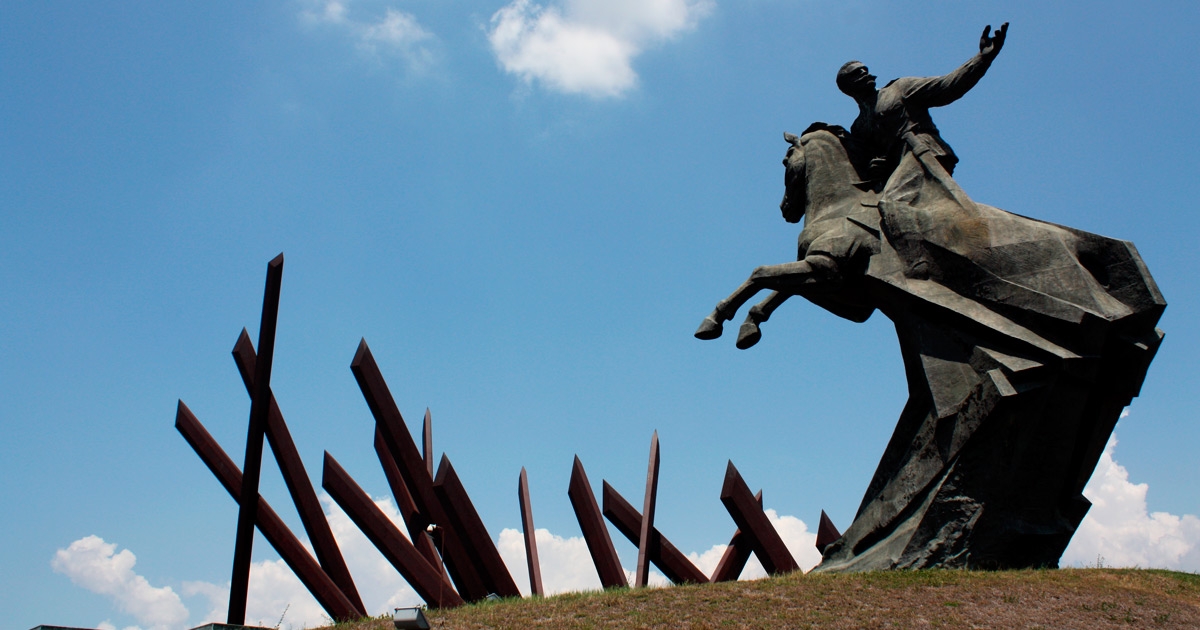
(1067, 598)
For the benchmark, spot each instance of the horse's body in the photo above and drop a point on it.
(921, 229)
(837, 240)
(1022, 341)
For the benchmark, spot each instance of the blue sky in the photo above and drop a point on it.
(526, 210)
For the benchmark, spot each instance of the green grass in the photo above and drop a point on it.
(1068, 598)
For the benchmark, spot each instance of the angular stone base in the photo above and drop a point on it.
(989, 459)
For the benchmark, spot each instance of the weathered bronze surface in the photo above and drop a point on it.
(1022, 340)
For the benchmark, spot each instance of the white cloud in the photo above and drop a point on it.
(91, 563)
(794, 532)
(107, 625)
(380, 585)
(707, 561)
(396, 34)
(801, 542)
(331, 12)
(586, 46)
(1119, 531)
(217, 596)
(565, 562)
(276, 598)
(274, 588)
(275, 593)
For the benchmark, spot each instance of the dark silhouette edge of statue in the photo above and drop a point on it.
(1022, 341)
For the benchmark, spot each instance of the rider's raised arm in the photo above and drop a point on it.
(943, 90)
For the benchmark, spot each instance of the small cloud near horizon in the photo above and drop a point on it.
(97, 566)
(1119, 530)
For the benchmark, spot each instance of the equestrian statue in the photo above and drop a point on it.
(1022, 340)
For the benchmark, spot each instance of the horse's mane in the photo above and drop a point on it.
(846, 140)
(836, 130)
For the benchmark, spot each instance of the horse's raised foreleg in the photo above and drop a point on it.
(749, 334)
(785, 278)
(791, 277)
(711, 327)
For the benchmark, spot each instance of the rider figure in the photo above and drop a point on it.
(892, 119)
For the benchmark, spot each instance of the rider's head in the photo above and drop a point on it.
(855, 80)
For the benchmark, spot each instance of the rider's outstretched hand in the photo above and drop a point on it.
(990, 46)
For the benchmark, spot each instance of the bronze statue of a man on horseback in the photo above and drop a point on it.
(1022, 340)
(841, 183)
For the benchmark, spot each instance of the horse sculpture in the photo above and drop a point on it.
(840, 232)
(1022, 342)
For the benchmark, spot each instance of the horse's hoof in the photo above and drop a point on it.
(748, 335)
(710, 328)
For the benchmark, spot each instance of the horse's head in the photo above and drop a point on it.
(795, 195)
